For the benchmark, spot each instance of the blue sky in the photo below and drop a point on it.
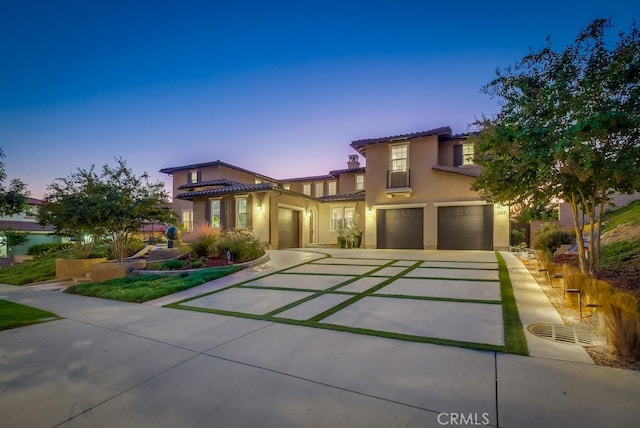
(278, 87)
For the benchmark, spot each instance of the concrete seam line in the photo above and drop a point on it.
(323, 384)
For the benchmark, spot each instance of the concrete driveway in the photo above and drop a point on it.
(118, 364)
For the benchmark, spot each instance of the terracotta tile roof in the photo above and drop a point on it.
(359, 145)
(227, 190)
(471, 171)
(359, 196)
(312, 178)
(27, 226)
(337, 172)
(171, 170)
(223, 182)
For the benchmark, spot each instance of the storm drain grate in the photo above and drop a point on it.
(562, 334)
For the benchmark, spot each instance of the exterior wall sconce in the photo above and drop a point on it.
(307, 213)
(259, 207)
(369, 211)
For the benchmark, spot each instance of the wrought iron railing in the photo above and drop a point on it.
(398, 179)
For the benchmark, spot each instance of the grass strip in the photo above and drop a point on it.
(13, 315)
(347, 329)
(364, 294)
(515, 341)
(437, 299)
(140, 289)
(328, 290)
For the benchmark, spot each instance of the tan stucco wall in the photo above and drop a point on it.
(429, 188)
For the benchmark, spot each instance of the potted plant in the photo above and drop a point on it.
(355, 234)
(342, 231)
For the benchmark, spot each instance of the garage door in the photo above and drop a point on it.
(465, 227)
(288, 228)
(400, 228)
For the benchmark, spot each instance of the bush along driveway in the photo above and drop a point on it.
(463, 299)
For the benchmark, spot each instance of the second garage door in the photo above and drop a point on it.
(465, 227)
(400, 228)
(288, 228)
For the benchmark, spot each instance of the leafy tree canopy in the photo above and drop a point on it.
(568, 127)
(13, 199)
(114, 203)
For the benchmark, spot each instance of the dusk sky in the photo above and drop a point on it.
(277, 87)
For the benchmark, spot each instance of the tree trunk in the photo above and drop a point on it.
(575, 209)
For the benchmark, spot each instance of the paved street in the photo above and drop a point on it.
(119, 364)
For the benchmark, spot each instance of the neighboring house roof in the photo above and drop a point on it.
(26, 226)
(359, 196)
(222, 182)
(472, 171)
(171, 170)
(239, 188)
(360, 145)
(34, 201)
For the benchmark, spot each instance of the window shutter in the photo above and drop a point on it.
(207, 212)
(249, 211)
(189, 177)
(457, 155)
(199, 174)
(232, 214)
(223, 214)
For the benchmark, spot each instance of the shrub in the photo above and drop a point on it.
(242, 245)
(42, 249)
(202, 239)
(621, 310)
(623, 323)
(550, 237)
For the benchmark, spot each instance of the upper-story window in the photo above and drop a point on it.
(399, 157)
(360, 182)
(467, 154)
(319, 190)
(257, 180)
(306, 189)
(331, 188)
(30, 211)
(194, 176)
(398, 175)
(286, 186)
(463, 154)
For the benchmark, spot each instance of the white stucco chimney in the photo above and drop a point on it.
(353, 163)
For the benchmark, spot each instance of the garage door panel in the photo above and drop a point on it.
(288, 228)
(465, 227)
(400, 228)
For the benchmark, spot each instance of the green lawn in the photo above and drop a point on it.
(14, 315)
(140, 289)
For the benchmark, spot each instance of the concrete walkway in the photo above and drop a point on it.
(119, 364)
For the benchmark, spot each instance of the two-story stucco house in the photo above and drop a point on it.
(26, 222)
(415, 192)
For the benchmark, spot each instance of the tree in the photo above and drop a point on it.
(14, 237)
(568, 128)
(13, 199)
(115, 203)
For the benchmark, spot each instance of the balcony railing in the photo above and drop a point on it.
(398, 179)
